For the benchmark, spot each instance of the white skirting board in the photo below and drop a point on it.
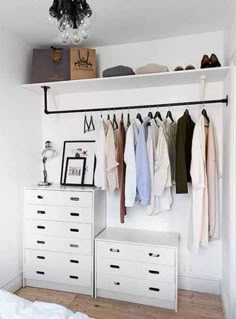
(207, 285)
(14, 284)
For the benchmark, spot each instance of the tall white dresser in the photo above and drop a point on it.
(60, 224)
(137, 266)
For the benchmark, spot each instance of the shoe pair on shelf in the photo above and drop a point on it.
(211, 62)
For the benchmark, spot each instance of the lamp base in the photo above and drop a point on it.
(42, 184)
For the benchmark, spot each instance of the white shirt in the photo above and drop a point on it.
(130, 161)
(198, 231)
(162, 175)
(100, 173)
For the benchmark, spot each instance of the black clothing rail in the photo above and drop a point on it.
(187, 103)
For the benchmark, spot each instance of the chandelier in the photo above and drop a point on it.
(73, 18)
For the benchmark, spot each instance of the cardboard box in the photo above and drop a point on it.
(82, 63)
(50, 65)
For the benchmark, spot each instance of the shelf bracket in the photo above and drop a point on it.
(45, 89)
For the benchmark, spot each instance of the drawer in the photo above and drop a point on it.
(146, 254)
(59, 213)
(145, 288)
(81, 278)
(58, 229)
(48, 260)
(136, 270)
(59, 198)
(59, 244)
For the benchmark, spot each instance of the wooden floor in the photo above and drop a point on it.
(192, 305)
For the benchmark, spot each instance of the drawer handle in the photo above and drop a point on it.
(40, 197)
(75, 199)
(74, 214)
(154, 255)
(41, 227)
(74, 261)
(115, 266)
(154, 272)
(40, 242)
(40, 257)
(154, 289)
(74, 246)
(116, 283)
(41, 212)
(74, 277)
(114, 250)
(40, 272)
(74, 230)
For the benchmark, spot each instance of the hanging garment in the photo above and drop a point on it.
(212, 182)
(130, 160)
(162, 175)
(198, 230)
(111, 163)
(142, 166)
(121, 169)
(184, 136)
(170, 130)
(100, 178)
(151, 147)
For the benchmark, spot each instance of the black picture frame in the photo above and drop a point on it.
(83, 165)
(76, 149)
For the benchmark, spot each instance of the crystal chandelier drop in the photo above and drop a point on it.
(73, 18)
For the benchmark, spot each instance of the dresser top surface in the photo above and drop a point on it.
(138, 236)
(57, 187)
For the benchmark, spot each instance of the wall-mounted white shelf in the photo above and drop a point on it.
(131, 82)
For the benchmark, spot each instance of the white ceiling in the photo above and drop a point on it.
(121, 21)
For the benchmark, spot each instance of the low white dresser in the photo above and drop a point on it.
(60, 225)
(137, 266)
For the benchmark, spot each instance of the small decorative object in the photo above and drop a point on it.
(47, 153)
(82, 63)
(75, 171)
(78, 150)
(73, 18)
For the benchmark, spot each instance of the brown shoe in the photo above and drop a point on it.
(190, 67)
(205, 62)
(179, 68)
(214, 61)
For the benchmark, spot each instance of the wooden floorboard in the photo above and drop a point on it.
(192, 305)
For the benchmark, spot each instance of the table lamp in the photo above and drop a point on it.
(47, 153)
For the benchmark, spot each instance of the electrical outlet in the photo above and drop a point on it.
(188, 269)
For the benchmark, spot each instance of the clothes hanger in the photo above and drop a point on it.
(91, 125)
(108, 117)
(114, 122)
(150, 115)
(204, 113)
(86, 124)
(169, 115)
(158, 115)
(128, 120)
(139, 117)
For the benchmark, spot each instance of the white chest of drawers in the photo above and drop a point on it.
(60, 225)
(137, 266)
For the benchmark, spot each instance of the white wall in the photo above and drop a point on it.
(201, 272)
(20, 143)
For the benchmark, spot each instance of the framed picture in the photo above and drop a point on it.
(75, 171)
(80, 149)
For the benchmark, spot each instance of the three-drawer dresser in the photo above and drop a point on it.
(60, 225)
(137, 266)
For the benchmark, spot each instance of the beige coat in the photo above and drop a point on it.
(212, 182)
(111, 163)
